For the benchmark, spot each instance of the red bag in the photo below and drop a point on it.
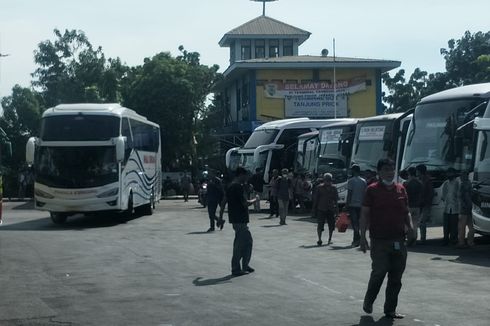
(343, 222)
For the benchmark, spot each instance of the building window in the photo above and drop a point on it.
(287, 47)
(273, 48)
(259, 49)
(246, 50)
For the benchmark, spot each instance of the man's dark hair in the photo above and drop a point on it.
(385, 162)
(356, 168)
(412, 171)
(422, 169)
(240, 171)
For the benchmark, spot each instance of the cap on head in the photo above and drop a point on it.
(284, 171)
(327, 177)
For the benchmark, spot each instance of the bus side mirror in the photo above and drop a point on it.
(120, 148)
(30, 150)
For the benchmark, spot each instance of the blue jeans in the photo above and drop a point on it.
(242, 247)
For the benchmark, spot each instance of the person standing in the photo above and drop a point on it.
(236, 198)
(284, 194)
(451, 197)
(274, 205)
(465, 207)
(325, 207)
(426, 204)
(414, 190)
(385, 213)
(214, 198)
(356, 188)
(257, 182)
(186, 186)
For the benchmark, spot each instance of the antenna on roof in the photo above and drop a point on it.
(263, 4)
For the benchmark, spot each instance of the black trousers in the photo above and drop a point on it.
(274, 206)
(212, 206)
(386, 259)
(450, 228)
(242, 247)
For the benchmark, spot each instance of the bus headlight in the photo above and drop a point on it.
(109, 193)
(42, 194)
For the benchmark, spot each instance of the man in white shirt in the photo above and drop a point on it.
(450, 196)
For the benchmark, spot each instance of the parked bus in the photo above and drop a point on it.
(441, 134)
(272, 146)
(378, 137)
(481, 172)
(95, 157)
(334, 153)
(307, 153)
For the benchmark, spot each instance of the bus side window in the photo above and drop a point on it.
(126, 132)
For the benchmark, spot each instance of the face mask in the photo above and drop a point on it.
(285, 175)
(388, 182)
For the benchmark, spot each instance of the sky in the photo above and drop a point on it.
(412, 32)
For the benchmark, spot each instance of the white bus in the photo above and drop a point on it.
(441, 134)
(334, 153)
(307, 153)
(272, 145)
(378, 137)
(95, 157)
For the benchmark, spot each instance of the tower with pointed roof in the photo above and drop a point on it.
(268, 79)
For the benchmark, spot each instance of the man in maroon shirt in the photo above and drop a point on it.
(385, 213)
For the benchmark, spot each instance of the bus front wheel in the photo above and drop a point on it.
(130, 210)
(58, 218)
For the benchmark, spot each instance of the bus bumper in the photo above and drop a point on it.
(481, 223)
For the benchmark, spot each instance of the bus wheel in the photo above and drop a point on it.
(130, 211)
(148, 208)
(58, 218)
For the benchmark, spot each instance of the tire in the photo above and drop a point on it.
(130, 210)
(147, 209)
(58, 218)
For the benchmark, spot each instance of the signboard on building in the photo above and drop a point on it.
(316, 99)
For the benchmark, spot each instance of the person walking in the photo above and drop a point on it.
(414, 190)
(236, 198)
(214, 198)
(325, 207)
(257, 182)
(356, 188)
(385, 213)
(451, 198)
(465, 207)
(284, 194)
(274, 205)
(426, 204)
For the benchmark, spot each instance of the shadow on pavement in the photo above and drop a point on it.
(200, 232)
(369, 320)
(308, 219)
(477, 255)
(271, 226)
(77, 222)
(312, 246)
(212, 281)
(341, 247)
(29, 205)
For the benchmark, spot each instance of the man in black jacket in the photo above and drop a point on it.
(236, 198)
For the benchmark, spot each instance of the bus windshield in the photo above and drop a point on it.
(261, 137)
(482, 162)
(330, 157)
(76, 167)
(79, 127)
(369, 143)
(433, 137)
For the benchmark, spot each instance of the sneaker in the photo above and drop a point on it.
(248, 269)
(368, 308)
(394, 315)
(238, 273)
(319, 242)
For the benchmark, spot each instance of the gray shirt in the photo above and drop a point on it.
(357, 186)
(450, 196)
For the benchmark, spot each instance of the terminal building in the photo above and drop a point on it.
(268, 79)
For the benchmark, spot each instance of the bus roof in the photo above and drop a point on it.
(95, 108)
(341, 123)
(391, 116)
(476, 90)
(293, 123)
(310, 134)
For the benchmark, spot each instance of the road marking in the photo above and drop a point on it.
(318, 284)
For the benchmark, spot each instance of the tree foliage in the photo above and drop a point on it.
(70, 70)
(467, 62)
(172, 92)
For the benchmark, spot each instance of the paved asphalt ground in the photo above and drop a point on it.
(165, 270)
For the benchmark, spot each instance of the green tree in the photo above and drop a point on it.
(172, 92)
(71, 70)
(20, 120)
